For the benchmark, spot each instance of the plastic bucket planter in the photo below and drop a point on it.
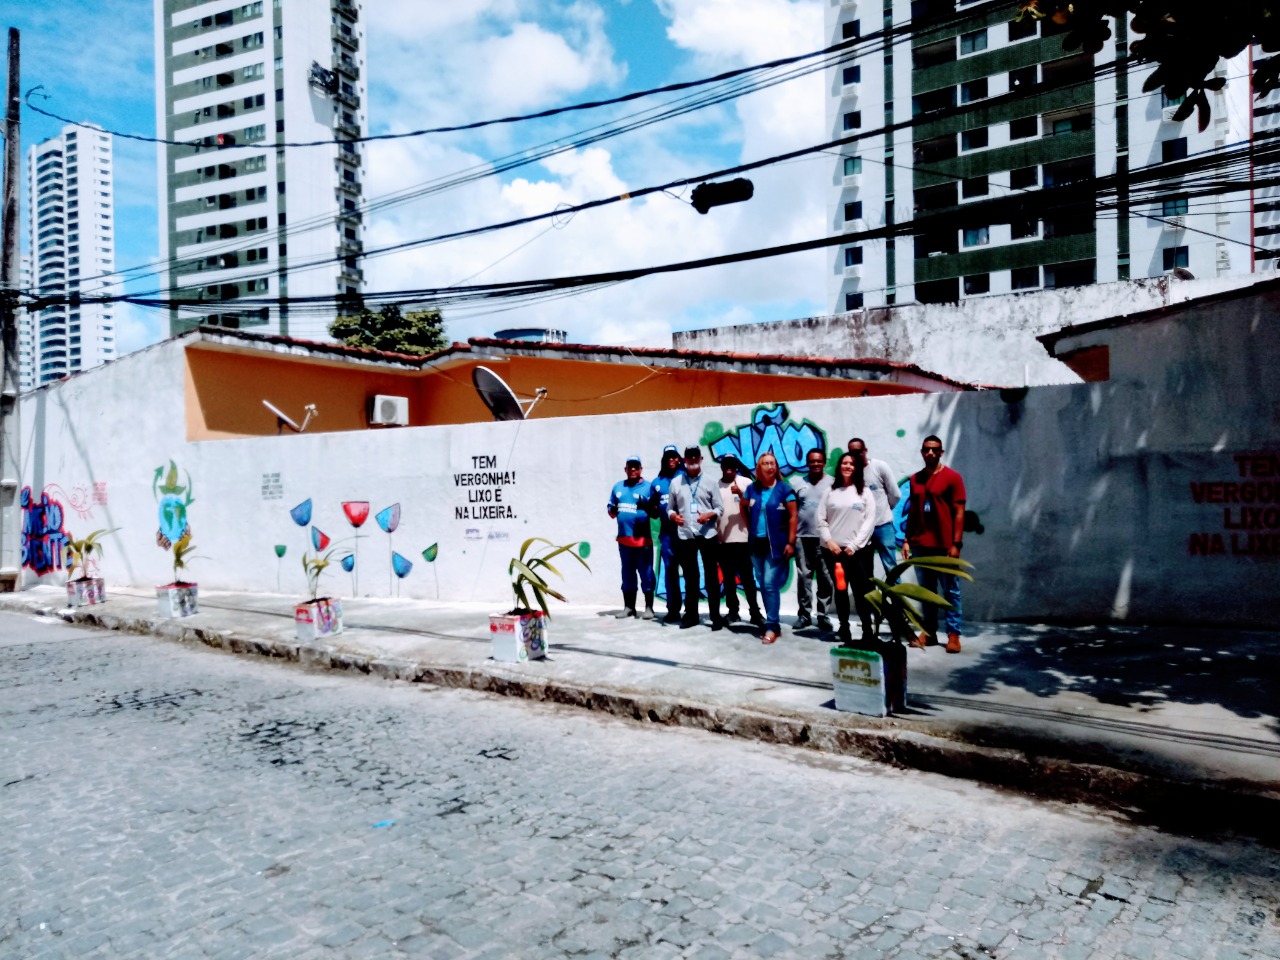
(177, 600)
(515, 637)
(870, 682)
(84, 592)
(317, 619)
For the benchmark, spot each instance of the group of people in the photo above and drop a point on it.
(748, 530)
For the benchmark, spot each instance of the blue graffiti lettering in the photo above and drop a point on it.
(44, 542)
(771, 431)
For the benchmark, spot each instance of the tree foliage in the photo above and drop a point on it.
(1184, 38)
(415, 331)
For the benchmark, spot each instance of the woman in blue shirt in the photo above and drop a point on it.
(769, 507)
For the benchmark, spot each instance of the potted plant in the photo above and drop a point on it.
(521, 633)
(875, 681)
(85, 589)
(179, 598)
(319, 616)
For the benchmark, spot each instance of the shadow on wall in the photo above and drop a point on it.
(1129, 667)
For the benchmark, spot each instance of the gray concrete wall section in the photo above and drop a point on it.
(989, 340)
(1095, 501)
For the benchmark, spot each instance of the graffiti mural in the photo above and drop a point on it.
(44, 541)
(771, 430)
(173, 499)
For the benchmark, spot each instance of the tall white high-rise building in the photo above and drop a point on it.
(247, 222)
(965, 114)
(71, 252)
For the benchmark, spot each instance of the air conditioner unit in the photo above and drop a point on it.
(851, 180)
(1168, 112)
(853, 271)
(1175, 223)
(385, 411)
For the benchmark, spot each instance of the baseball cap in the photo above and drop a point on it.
(670, 448)
(693, 453)
(633, 459)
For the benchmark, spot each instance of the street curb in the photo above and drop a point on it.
(1191, 806)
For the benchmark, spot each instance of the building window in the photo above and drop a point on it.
(1175, 207)
(1022, 229)
(1022, 80)
(853, 120)
(973, 42)
(851, 29)
(1024, 278)
(973, 90)
(974, 187)
(851, 75)
(1171, 150)
(1024, 127)
(1023, 28)
(977, 236)
(1168, 101)
(853, 301)
(973, 139)
(1023, 178)
(853, 256)
(853, 211)
(1175, 257)
(978, 283)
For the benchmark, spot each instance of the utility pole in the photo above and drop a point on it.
(10, 432)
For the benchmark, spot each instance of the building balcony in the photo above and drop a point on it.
(349, 100)
(348, 130)
(350, 248)
(351, 276)
(346, 9)
(347, 189)
(349, 157)
(344, 35)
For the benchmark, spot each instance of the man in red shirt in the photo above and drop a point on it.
(935, 528)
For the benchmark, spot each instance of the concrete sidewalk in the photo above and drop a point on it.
(1179, 725)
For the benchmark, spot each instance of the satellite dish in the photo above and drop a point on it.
(284, 420)
(501, 399)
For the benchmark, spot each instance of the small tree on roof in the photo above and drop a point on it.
(415, 331)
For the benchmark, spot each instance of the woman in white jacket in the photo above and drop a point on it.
(846, 521)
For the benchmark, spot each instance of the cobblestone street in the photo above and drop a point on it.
(163, 801)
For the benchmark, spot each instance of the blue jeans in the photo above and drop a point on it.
(885, 540)
(943, 584)
(670, 571)
(771, 574)
(636, 559)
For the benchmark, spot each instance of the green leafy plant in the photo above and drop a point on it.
(314, 565)
(183, 553)
(527, 571)
(891, 599)
(80, 552)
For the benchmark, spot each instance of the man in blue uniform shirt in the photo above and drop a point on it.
(630, 504)
(667, 530)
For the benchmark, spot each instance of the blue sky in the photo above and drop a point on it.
(432, 63)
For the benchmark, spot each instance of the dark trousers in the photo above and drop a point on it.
(688, 553)
(670, 571)
(735, 561)
(857, 575)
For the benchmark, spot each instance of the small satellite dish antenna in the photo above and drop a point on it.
(284, 420)
(499, 398)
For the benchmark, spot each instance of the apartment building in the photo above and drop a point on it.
(71, 253)
(1023, 166)
(248, 221)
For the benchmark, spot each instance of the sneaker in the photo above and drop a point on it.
(673, 616)
(953, 643)
(824, 623)
(803, 620)
(921, 641)
(732, 617)
(718, 624)
(688, 622)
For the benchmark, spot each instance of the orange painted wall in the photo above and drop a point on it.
(225, 389)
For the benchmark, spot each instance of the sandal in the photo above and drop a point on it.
(769, 637)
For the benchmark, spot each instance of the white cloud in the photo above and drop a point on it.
(546, 56)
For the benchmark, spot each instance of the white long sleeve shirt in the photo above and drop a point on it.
(847, 517)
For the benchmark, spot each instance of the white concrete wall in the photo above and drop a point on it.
(1082, 491)
(983, 340)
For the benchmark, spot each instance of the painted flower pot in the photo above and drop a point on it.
(318, 618)
(85, 591)
(177, 600)
(516, 637)
(871, 682)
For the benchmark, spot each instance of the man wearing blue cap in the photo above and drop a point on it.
(668, 533)
(630, 504)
